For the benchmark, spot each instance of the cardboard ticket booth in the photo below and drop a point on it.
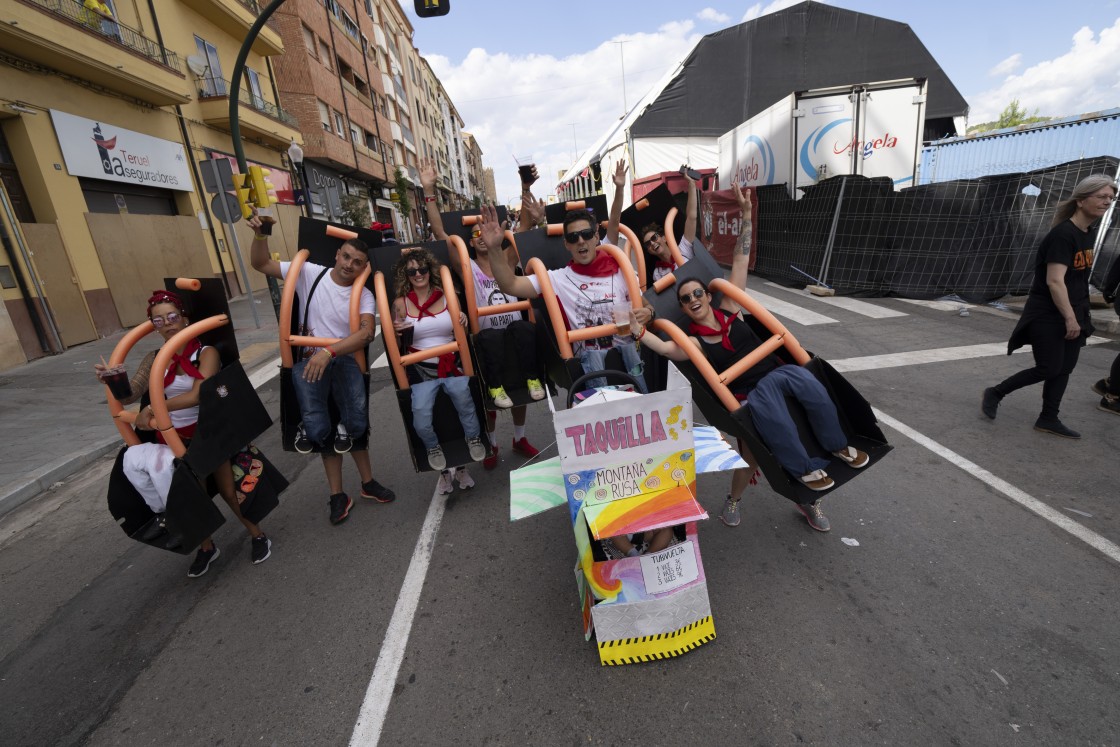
(627, 464)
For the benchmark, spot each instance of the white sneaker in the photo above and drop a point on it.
(444, 487)
(478, 451)
(466, 482)
(436, 459)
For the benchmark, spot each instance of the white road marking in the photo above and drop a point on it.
(939, 305)
(265, 373)
(381, 362)
(790, 311)
(371, 717)
(1024, 499)
(854, 305)
(933, 355)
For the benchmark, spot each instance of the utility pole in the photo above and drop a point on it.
(622, 62)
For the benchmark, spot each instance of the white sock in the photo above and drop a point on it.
(518, 432)
(492, 437)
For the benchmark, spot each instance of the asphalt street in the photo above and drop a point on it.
(938, 610)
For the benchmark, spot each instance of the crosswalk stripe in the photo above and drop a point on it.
(863, 308)
(939, 305)
(790, 311)
(934, 355)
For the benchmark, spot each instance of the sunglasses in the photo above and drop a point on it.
(654, 239)
(475, 234)
(573, 236)
(413, 272)
(171, 319)
(687, 298)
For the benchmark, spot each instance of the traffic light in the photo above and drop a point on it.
(263, 195)
(242, 187)
(431, 8)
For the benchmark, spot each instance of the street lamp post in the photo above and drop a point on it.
(295, 155)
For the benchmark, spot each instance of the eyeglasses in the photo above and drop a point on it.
(171, 319)
(654, 239)
(586, 234)
(414, 271)
(687, 298)
(476, 233)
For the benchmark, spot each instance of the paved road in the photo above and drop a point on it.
(960, 618)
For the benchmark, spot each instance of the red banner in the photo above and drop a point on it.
(720, 222)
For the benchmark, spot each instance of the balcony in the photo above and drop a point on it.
(258, 118)
(387, 86)
(235, 17)
(64, 36)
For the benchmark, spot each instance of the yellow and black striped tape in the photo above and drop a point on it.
(659, 646)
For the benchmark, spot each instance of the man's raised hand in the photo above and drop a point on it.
(428, 176)
(490, 228)
(743, 197)
(619, 176)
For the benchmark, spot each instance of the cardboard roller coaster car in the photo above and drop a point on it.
(628, 464)
(445, 419)
(597, 204)
(230, 415)
(320, 242)
(658, 206)
(543, 250)
(513, 378)
(723, 410)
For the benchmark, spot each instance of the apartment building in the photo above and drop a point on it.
(107, 125)
(472, 165)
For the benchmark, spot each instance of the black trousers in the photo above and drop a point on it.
(491, 346)
(1054, 359)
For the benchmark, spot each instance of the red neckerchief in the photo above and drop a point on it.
(666, 265)
(447, 366)
(437, 294)
(183, 361)
(724, 321)
(602, 266)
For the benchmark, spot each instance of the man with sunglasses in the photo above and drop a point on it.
(331, 372)
(657, 248)
(589, 289)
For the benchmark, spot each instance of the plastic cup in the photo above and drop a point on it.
(406, 337)
(116, 378)
(622, 319)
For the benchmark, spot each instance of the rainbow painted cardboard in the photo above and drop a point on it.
(628, 464)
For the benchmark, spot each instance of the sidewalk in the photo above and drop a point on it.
(55, 416)
(1105, 320)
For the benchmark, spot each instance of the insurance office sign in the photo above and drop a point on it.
(100, 150)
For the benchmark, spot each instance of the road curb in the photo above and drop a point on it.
(23, 489)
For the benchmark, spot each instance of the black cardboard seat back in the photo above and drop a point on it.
(548, 249)
(513, 379)
(597, 204)
(230, 415)
(453, 223)
(209, 300)
(655, 206)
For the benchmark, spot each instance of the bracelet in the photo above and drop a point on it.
(640, 335)
(260, 237)
(652, 313)
(429, 198)
(328, 351)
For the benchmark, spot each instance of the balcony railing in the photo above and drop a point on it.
(255, 7)
(112, 30)
(213, 87)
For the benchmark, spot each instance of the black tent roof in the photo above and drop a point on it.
(735, 73)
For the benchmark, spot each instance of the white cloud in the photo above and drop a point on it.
(1008, 66)
(522, 105)
(713, 16)
(758, 9)
(1084, 79)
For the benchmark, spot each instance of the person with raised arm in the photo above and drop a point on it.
(723, 336)
(588, 288)
(653, 238)
(495, 331)
(330, 371)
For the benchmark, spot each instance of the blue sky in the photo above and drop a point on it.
(518, 73)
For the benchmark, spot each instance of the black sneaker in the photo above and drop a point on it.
(813, 514)
(303, 444)
(990, 403)
(340, 507)
(261, 549)
(202, 561)
(1110, 403)
(378, 492)
(1101, 387)
(1056, 427)
(343, 443)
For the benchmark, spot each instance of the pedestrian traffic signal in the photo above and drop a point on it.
(264, 195)
(432, 8)
(243, 188)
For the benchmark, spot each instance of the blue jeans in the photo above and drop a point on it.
(343, 381)
(767, 403)
(596, 360)
(424, 401)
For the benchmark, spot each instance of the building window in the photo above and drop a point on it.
(332, 6)
(350, 26)
(369, 10)
(339, 125)
(211, 82)
(325, 54)
(253, 83)
(309, 40)
(324, 116)
(371, 142)
(355, 136)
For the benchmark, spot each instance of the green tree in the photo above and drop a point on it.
(355, 211)
(1012, 115)
(404, 191)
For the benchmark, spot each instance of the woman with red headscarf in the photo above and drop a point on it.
(149, 466)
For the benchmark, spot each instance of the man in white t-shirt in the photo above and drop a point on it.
(588, 289)
(330, 372)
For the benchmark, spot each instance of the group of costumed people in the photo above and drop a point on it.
(1055, 323)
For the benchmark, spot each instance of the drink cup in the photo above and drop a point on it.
(622, 319)
(406, 337)
(525, 166)
(116, 378)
